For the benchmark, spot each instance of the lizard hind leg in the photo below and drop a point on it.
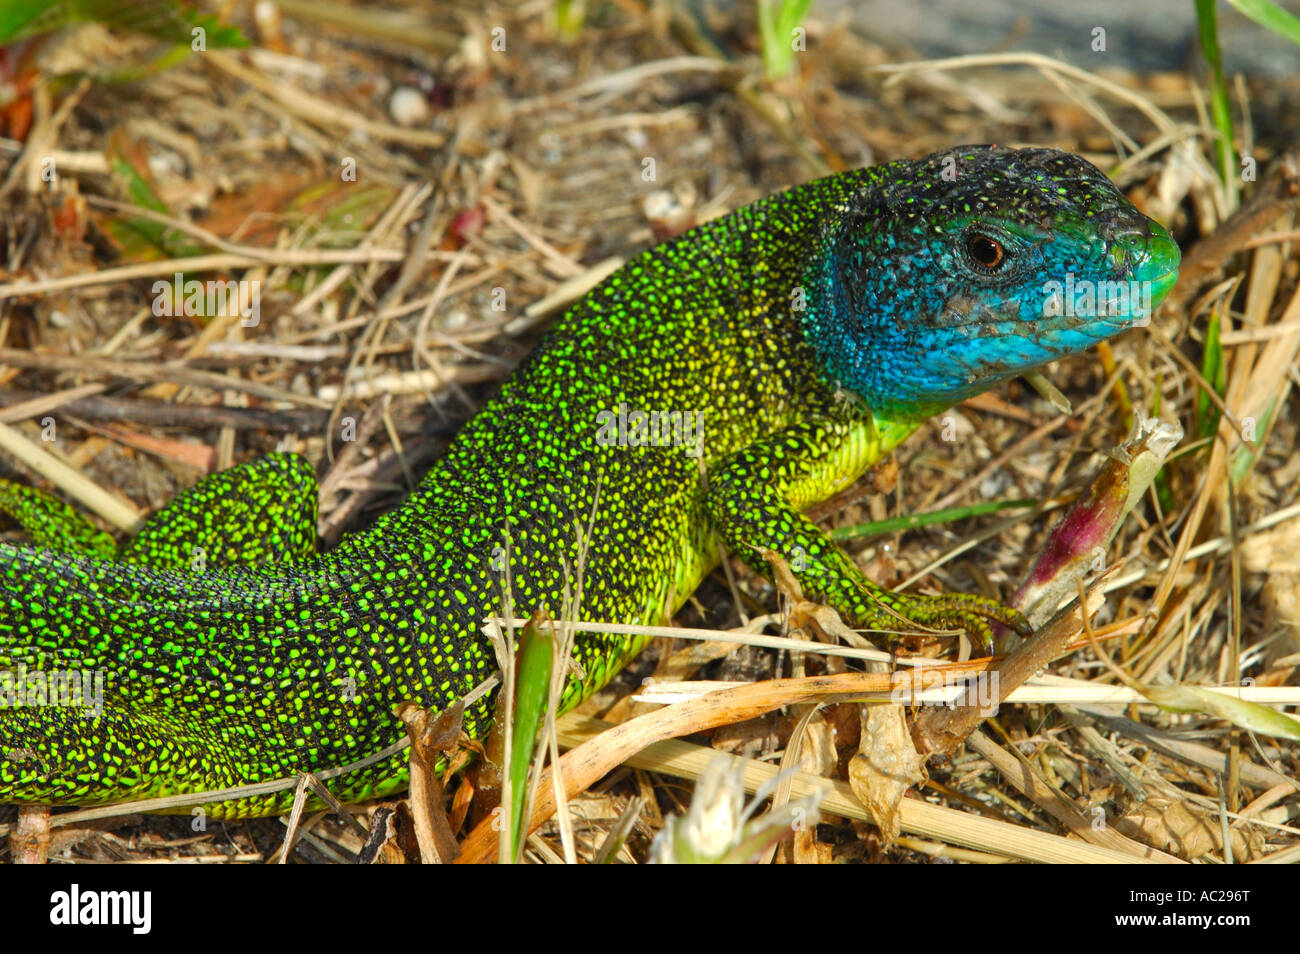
(254, 514)
(262, 512)
(52, 524)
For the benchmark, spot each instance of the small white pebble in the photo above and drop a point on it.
(163, 164)
(408, 106)
(993, 487)
(661, 205)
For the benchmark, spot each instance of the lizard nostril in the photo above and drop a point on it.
(1129, 246)
(1143, 251)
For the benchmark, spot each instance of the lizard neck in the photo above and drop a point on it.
(860, 318)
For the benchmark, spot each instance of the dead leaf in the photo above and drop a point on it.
(886, 766)
(392, 838)
(1171, 826)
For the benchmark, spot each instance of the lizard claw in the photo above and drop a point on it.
(975, 614)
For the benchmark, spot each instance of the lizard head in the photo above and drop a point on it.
(976, 264)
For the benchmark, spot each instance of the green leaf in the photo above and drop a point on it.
(140, 236)
(1248, 715)
(1271, 16)
(776, 22)
(164, 19)
(1214, 372)
(534, 662)
(22, 18)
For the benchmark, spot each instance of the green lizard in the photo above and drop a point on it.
(810, 332)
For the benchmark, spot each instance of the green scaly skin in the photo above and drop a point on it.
(813, 331)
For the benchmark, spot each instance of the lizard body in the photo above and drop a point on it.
(782, 349)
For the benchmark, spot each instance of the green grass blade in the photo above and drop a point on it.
(1220, 104)
(1270, 16)
(1214, 371)
(535, 658)
(912, 521)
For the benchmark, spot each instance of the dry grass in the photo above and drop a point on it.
(527, 178)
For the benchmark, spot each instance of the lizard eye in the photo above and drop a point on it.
(985, 252)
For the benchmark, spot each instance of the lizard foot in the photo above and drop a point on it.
(890, 612)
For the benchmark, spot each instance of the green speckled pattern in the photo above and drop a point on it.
(267, 660)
